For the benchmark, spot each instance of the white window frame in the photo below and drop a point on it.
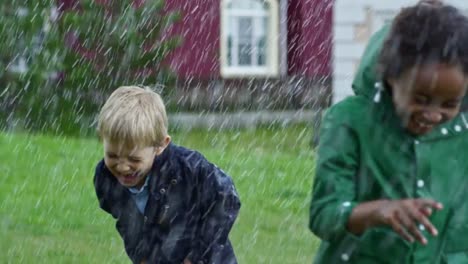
(271, 67)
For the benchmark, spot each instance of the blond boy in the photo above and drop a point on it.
(170, 204)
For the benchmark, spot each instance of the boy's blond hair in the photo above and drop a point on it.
(135, 116)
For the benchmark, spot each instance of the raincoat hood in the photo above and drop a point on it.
(366, 75)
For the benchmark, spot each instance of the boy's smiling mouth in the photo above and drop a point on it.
(129, 178)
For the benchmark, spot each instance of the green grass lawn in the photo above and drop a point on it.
(49, 213)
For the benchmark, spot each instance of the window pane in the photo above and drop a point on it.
(244, 54)
(262, 51)
(245, 40)
(262, 43)
(229, 51)
(245, 28)
(247, 33)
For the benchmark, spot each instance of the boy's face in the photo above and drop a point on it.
(427, 96)
(129, 164)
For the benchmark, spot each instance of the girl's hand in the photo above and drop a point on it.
(404, 215)
(186, 261)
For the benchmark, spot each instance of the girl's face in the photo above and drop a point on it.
(428, 95)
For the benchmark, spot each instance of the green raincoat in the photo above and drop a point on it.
(364, 155)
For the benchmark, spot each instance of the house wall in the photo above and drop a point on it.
(198, 56)
(251, 94)
(310, 37)
(305, 82)
(354, 22)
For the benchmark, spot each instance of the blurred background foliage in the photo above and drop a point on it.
(58, 66)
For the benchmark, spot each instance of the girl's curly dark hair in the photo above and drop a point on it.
(422, 34)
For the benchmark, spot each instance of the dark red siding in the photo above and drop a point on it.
(310, 37)
(200, 29)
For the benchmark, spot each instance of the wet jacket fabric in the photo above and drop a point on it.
(191, 208)
(365, 154)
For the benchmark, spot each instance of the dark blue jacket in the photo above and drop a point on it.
(191, 208)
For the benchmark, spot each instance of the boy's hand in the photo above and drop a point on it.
(186, 261)
(403, 216)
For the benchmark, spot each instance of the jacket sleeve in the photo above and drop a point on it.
(333, 195)
(219, 204)
(101, 186)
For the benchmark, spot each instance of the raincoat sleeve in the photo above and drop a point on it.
(334, 183)
(456, 248)
(219, 204)
(457, 258)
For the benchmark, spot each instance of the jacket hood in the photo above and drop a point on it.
(366, 75)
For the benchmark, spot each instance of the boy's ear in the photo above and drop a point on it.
(166, 141)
